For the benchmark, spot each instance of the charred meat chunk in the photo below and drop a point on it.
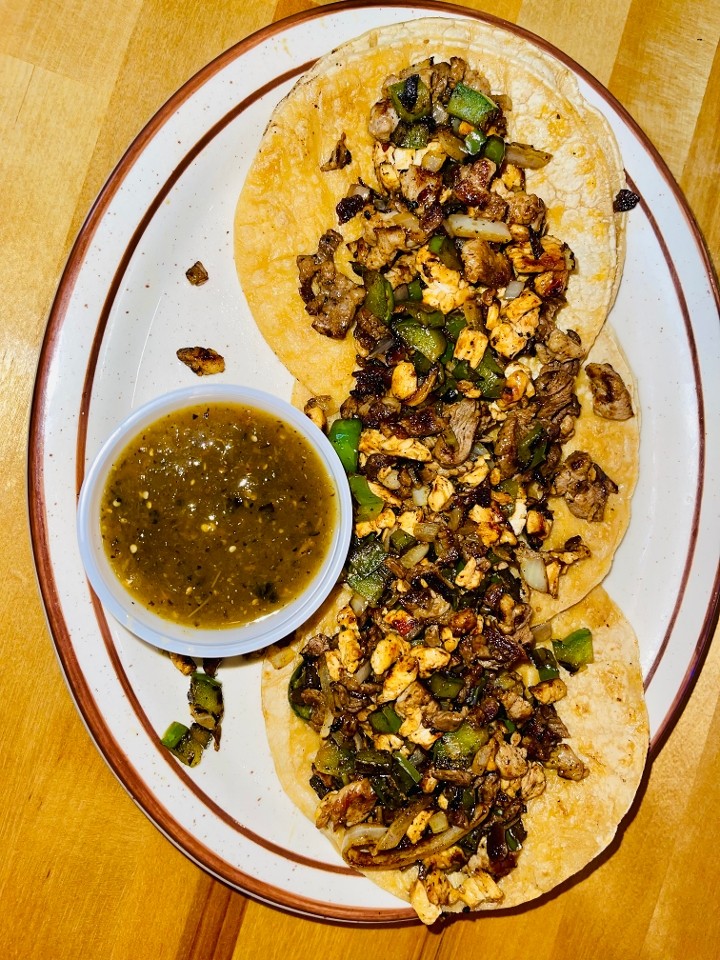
(329, 296)
(203, 361)
(526, 209)
(584, 485)
(611, 398)
(339, 158)
(197, 274)
(485, 265)
(471, 181)
(555, 391)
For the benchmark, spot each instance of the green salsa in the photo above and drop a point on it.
(217, 515)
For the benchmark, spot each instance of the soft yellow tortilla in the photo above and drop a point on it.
(571, 822)
(287, 202)
(615, 446)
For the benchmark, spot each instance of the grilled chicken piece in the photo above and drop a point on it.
(485, 265)
(383, 120)
(347, 806)
(471, 183)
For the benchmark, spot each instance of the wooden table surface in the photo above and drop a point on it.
(83, 873)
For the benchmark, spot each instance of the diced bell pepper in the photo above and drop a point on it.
(445, 686)
(344, 435)
(544, 661)
(411, 98)
(379, 299)
(471, 105)
(385, 720)
(369, 504)
(494, 149)
(181, 743)
(428, 341)
(460, 746)
(575, 650)
(475, 141)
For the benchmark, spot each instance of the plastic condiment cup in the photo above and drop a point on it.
(183, 638)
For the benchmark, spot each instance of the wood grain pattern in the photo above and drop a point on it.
(83, 873)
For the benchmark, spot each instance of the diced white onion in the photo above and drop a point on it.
(280, 657)
(363, 672)
(414, 555)
(542, 633)
(362, 834)
(433, 161)
(513, 289)
(406, 220)
(523, 155)
(420, 495)
(439, 113)
(426, 532)
(327, 724)
(397, 829)
(461, 225)
(358, 604)
(382, 347)
(359, 190)
(534, 573)
(452, 145)
(438, 822)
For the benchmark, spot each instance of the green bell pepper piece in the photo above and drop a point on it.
(385, 720)
(529, 451)
(379, 299)
(421, 313)
(180, 742)
(411, 98)
(344, 435)
(575, 650)
(444, 248)
(367, 574)
(334, 761)
(415, 289)
(494, 149)
(474, 142)
(400, 540)
(459, 746)
(297, 682)
(428, 341)
(470, 105)
(445, 686)
(545, 663)
(490, 376)
(407, 767)
(369, 504)
(373, 761)
(454, 323)
(416, 136)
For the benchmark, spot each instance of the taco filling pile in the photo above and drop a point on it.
(455, 742)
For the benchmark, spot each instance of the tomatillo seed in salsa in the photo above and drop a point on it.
(217, 515)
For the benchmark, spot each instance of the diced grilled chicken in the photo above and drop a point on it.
(347, 806)
(485, 265)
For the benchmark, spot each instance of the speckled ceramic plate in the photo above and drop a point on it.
(122, 309)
